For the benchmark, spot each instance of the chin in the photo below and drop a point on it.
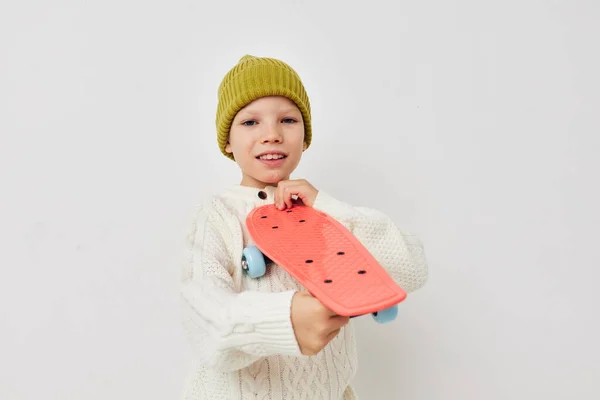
(274, 177)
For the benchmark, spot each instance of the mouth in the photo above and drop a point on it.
(271, 156)
(272, 159)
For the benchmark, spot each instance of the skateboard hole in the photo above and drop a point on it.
(362, 271)
(309, 261)
(289, 211)
(275, 227)
(328, 281)
(302, 220)
(340, 253)
(264, 216)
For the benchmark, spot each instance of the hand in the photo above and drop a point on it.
(314, 324)
(299, 187)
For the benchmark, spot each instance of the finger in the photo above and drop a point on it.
(278, 195)
(287, 199)
(282, 194)
(302, 190)
(295, 192)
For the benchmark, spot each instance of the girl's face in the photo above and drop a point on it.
(267, 140)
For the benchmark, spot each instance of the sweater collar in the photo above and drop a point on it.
(254, 194)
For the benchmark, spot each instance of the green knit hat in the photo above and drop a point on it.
(252, 78)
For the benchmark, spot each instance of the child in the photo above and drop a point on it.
(268, 338)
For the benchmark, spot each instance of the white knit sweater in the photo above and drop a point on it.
(240, 328)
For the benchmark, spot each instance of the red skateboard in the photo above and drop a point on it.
(323, 256)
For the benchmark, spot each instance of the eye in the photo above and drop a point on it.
(249, 123)
(289, 120)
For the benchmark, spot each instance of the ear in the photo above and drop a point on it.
(228, 147)
(305, 146)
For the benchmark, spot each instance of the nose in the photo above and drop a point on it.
(271, 134)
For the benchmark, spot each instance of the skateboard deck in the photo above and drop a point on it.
(324, 257)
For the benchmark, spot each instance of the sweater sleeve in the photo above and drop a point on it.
(229, 330)
(400, 253)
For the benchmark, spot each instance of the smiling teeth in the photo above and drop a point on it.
(271, 156)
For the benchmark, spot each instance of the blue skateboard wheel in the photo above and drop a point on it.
(387, 315)
(253, 262)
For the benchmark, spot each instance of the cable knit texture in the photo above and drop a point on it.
(240, 328)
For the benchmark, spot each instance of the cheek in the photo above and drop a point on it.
(245, 149)
(240, 143)
(299, 142)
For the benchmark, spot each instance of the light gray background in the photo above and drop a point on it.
(473, 124)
